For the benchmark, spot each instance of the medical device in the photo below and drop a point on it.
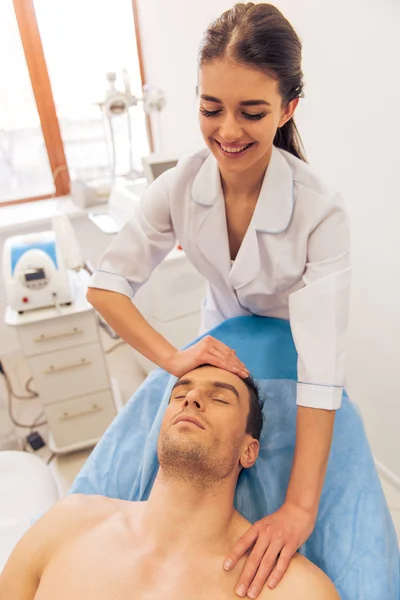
(37, 267)
(115, 109)
(118, 104)
(155, 164)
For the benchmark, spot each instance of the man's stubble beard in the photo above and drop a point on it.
(188, 460)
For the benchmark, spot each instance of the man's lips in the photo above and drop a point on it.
(189, 419)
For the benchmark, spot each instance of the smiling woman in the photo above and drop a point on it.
(234, 126)
(239, 41)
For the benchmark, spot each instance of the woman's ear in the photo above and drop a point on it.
(250, 454)
(288, 111)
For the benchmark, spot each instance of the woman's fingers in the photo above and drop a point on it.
(264, 569)
(222, 352)
(227, 363)
(251, 566)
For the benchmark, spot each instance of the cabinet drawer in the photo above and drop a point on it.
(68, 373)
(80, 420)
(55, 334)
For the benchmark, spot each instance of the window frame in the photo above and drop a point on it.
(43, 95)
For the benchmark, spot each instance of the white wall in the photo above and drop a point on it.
(350, 126)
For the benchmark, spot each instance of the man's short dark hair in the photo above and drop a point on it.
(255, 416)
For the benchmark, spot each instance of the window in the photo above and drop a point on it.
(24, 165)
(80, 42)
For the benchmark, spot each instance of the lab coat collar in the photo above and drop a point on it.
(275, 204)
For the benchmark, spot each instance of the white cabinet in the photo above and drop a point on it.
(69, 373)
(53, 334)
(63, 349)
(82, 418)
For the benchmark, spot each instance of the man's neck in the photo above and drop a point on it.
(180, 515)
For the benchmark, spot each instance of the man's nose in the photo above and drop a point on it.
(194, 398)
(230, 130)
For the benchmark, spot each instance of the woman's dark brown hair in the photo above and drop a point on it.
(259, 36)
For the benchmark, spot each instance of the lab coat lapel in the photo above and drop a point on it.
(211, 236)
(272, 215)
(275, 205)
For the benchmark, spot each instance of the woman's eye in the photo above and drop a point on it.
(179, 397)
(219, 400)
(256, 117)
(209, 113)
(215, 113)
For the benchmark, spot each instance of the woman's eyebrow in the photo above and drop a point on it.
(255, 103)
(208, 98)
(259, 102)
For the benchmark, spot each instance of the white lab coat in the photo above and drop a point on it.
(293, 263)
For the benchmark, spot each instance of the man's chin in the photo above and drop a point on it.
(183, 449)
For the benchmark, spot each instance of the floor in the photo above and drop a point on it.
(124, 367)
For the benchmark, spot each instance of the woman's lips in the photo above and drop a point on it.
(234, 150)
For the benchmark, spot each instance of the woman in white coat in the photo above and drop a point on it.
(270, 238)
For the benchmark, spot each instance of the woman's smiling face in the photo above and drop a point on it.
(240, 111)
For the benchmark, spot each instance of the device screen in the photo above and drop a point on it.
(34, 275)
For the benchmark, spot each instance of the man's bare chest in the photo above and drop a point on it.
(115, 573)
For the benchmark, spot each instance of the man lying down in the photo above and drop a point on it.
(173, 545)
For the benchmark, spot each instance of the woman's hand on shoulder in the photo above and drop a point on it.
(207, 351)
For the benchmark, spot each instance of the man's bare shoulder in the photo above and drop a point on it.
(304, 581)
(81, 506)
(75, 514)
(62, 523)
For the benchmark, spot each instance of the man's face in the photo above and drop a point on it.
(204, 427)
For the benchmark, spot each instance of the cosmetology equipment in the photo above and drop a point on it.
(36, 267)
(117, 104)
(66, 359)
(117, 123)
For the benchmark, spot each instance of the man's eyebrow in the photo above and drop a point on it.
(225, 386)
(182, 382)
(259, 102)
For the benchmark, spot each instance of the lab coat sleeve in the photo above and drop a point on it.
(319, 311)
(142, 243)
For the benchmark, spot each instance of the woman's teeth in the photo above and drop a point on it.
(235, 150)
